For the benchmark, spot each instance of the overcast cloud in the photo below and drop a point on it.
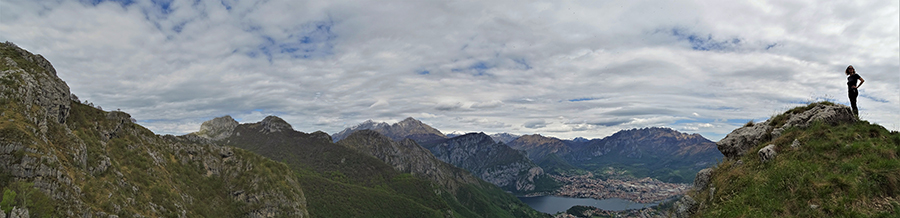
(563, 69)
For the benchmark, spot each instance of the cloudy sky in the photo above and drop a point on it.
(563, 69)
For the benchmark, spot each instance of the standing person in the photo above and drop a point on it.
(853, 87)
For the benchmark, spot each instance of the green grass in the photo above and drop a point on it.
(848, 170)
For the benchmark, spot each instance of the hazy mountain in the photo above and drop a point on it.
(408, 128)
(62, 158)
(368, 174)
(504, 137)
(661, 153)
(538, 146)
(492, 161)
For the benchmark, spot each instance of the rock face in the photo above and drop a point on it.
(35, 86)
(736, 143)
(491, 161)
(218, 128)
(78, 157)
(685, 206)
(408, 157)
(408, 128)
(703, 177)
(739, 141)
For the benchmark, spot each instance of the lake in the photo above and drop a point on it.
(554, 204)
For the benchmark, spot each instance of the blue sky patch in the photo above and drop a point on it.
(523, 63)
(705, 43)
(310, 40)
(873, 98)
(582, 99)
(124, 3)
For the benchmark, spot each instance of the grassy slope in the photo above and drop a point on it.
(133, 184)
(849, 170)
(163, 185)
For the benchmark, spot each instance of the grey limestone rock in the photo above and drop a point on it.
(685, 206)
(795, 144)
(702, 179)
(767, 153)
(19, 213)
(828, 114)
(736, 143)
(218, 128)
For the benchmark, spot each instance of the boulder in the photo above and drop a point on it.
(795, 144)
(767, 153)
(685, 206)
(702, 179)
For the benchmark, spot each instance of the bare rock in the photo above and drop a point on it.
(795, 144)
(767, 153)
(736, 143)
(685, 206)
(831, 114)
(702, 179)
(218, 128)
(19, 213)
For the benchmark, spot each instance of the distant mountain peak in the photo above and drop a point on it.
(407, 128)
(217, 128)
(274, 124)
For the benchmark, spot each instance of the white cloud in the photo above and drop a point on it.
(470, 66)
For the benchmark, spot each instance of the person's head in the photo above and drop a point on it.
(850, 70)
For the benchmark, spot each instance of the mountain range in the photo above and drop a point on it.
(660, 153)
(60, 157)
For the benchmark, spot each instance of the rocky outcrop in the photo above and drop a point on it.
(742, 140)
(739, 141)
(491, 161)
(218, 128)
(31, 81)
(685, 206)
(736, 143)
(702, 179)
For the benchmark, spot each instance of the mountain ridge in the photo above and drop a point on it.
(67, 159)
(368, 164)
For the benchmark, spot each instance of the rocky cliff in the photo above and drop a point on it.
(494, 162)
(816, 160)
(67, 159)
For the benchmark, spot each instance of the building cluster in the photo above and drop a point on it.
(645, 190)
